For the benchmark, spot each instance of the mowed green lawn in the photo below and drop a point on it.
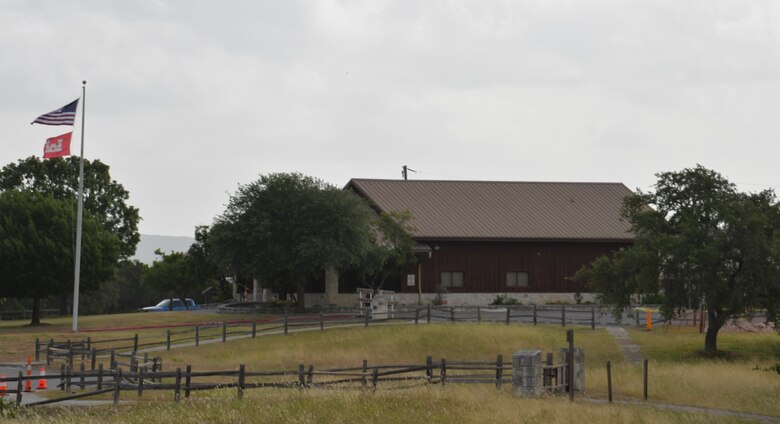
(17, 338)
(677, 376)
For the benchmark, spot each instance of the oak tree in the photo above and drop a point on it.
(36, 248)
(698, 241)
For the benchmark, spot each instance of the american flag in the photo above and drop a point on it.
(62, 116)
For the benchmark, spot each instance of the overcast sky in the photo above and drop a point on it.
(188, 99)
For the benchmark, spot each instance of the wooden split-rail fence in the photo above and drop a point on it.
(139, 377)
(88, 349)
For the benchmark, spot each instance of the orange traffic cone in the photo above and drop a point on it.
(3, 386)
(28, 382)
(42, 380)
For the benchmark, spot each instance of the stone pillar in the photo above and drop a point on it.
(255, 289)
(331, 285)
(579, 366)
(527, 372)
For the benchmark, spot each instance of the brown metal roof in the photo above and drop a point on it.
(488, 210)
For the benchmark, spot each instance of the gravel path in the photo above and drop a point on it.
(630, 350)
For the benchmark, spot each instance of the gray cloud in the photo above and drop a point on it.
(187, 99)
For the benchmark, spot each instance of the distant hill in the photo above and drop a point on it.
(144, 252)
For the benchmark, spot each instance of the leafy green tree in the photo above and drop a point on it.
(36, 248)
(698, 240)
(391, 250)
(172, 275)
(123, 293)
(286, 228)
(104, 198)
(204, 264)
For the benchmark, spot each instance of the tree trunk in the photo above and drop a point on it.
(300, 305)
(714, 323)
(36, 311)
(224, 287)
(64, 305)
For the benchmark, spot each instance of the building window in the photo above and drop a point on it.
(517, 279)
(452, 279)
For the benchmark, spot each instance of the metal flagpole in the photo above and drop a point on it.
(79, 215)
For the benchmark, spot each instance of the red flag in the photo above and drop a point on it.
(57, 146)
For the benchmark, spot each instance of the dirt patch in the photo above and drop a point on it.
(745, 325)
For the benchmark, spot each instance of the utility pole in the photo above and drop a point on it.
(405, 172)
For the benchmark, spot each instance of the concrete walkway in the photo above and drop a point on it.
(630, 350)
(692, 409)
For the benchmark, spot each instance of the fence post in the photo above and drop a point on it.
(37, 350)
(563, 315)
(140, 382)
(416, 315)
(366, 317)
(443, 371)
(67, 378)
(592, 317)
(452, 314)
(508, 311)
(19, 386)
(285, 322)
(429, 314)
(570, 360)
(479, 314)
(224, 331)
(322, 322)
(187, 381)
(310, 376)
(168, 339)
(197, 336)
(135, 342)
(100, 377)
(117, 385)
(93, 358)
(113, 359)
(429, 368)
(89, 343)
(154, 366)
(374, 378)
(254, 329)
(241, 371)
(48, 352)
(301, 377)
(177, 388)
(83, 351)
(645, 388)
(365, 370)
(62, 377)
(609, 382)
(70, 357)
(499, 370)
(81, 377)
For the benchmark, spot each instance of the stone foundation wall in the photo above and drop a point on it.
(452, 299)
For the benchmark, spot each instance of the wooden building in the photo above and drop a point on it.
(478, 238)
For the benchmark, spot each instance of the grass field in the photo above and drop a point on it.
(677, 375)
(17, 339)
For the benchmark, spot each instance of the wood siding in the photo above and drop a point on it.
(485, 264)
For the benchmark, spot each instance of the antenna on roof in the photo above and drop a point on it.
(404, 172)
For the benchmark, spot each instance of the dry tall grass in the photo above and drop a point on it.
(451, 404)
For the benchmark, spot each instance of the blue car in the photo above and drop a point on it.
(178, 305)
